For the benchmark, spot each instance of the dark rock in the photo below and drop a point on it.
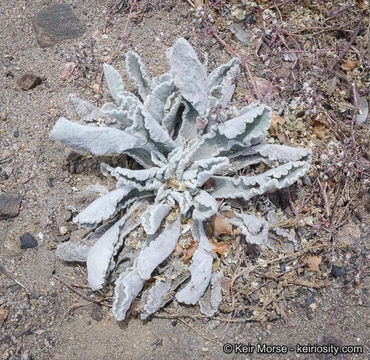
(35, 295)
(6, 339)
(337, 271)
(282, 266)
(28, 81)
(9, 204)
(249, 19)
(28, 332)
(16, 133)
(28, 241)
(97, 312)
(310, 300)
(49, 182)
(327, 106)
(57, 23)
(3, 176)
(67, 215)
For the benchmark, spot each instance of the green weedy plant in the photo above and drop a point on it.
(181, 135)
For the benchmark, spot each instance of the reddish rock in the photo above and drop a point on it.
(9, 205)
(28, 81)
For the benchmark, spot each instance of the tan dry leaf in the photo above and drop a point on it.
(3, 316)
(313, 263)
(219, 247)
(178, 250)
(190, 250)
(228, 214)
(349, 64)
(320, 130)
(276, 120)
(221, 225)
(307, 283)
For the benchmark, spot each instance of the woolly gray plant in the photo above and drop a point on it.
(190, 152)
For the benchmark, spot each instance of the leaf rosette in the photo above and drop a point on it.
(190, 152)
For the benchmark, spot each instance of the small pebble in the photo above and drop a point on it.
(28, 241)
(63, 230)
(28, 81)
(16, 133)
(337, 271)
(283, 266)
(310, 300)
(67, 215)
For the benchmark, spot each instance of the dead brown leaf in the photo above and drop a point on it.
(190, 250)
(228, 214)
(320, 130)
(178, 250)
(219, 247)
(221, 225)
(307, 283)
(276, 121)
(349, 64)
(3, 316)
(313, 263)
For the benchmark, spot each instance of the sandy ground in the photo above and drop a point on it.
(43, 325)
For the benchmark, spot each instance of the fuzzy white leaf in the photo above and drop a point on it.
(97, 140)
(100, 258)
(200, 269)
(254, 229)
(115, 82)
(128, 286)
(212, 298)
(111, 203)
(189, 74)
(158, 250)
(204, 206)
(136, 70)
(153, 216)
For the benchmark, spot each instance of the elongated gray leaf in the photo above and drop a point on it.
(81, 110)
(200, 269)
(153, 297)
(201, 170)
(142, 180)
(164, 88)
(93, 214)
(115, 82)
(189, 74)
(97, 140)
(128, 286)
(136, 70)
(100, 258)
(172, 114)
(246, 130)
(268, 153)
(153, 216)
(158, 250)
(212, 298)
(246, 187)
(221, 82)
